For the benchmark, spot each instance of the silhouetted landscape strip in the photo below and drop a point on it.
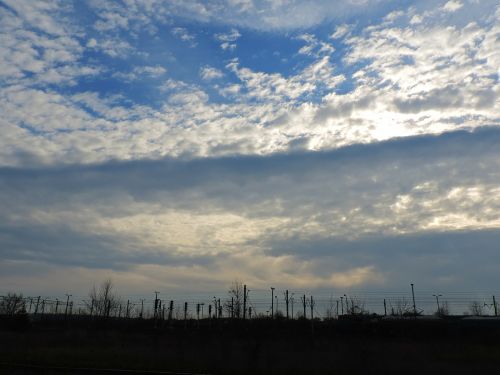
(91, 369)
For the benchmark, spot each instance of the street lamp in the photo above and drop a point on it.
(272, 302)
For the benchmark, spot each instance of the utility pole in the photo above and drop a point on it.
(37, 303)
(216, 308)
(156, 304)
(170, 310)
(245, 301)
(272, 302)
(414, 305)
(304, 305)
(337, 310)
(342, 304)
(57, 305)
(385, 308)
(437, 302)
(346, 305)
(67, 303)
(495, 305)
(286, 301)
(312, 308)
(142, 309)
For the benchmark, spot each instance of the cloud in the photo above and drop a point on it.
(341, 31)
(39, 45)
(314, 47)
(316, 219)
(209, 73)
(141, 71)
(228, 39)
(408, 87)
(453, 5)
(183, 34)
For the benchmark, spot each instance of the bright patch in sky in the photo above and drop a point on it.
(299, 141)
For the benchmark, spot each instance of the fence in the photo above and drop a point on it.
(262, 303)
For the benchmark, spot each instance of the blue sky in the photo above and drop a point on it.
(304, 144)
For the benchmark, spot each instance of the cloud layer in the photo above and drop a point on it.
(336, 219)
(321, 144)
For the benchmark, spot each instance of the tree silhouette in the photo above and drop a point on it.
(103, 300)
(12, 304)
(234, 304)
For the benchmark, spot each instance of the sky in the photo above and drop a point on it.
(314, 145)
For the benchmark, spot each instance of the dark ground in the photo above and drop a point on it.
(250, 347)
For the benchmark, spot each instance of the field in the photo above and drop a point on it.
(259, 346)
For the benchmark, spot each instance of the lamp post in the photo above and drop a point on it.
(413, 297)
(272, 302)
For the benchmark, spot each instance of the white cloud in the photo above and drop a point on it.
(408, 87)
(315, 47)
(141, 71)
(453, 5)
(231, 36)
(209, 73)
(114, 47)
(39, 46)
(183, 34)
(228, 39)
(341, 31)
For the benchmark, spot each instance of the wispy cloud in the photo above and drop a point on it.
(228, 39)
(183, 34)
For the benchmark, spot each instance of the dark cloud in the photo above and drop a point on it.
(337, 206)
(467, 259)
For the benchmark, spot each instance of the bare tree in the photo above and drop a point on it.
(356, 307)
(12, 304)
(234, 304)
(476, 308)
(444, 309)
(331, 311)
(401, 307)
(103, 300)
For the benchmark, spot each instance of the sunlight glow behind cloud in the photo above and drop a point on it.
(187, 93)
